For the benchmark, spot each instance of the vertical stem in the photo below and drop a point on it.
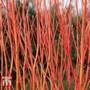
(24, 78)
(61, 69)
(89, 40)
(77, 33)
(1, 43)
(16, 46)
(82, 43)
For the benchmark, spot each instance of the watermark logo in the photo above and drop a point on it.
(6, 81)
